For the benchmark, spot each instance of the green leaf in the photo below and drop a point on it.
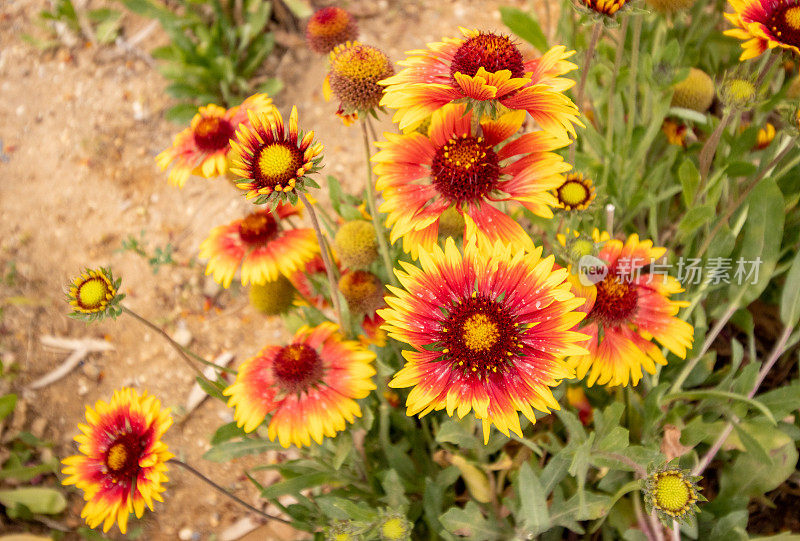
(296, 484)
(790, 299)
(533, 511)
(227, 432)
(7, 404)
(723, 395)
(38, 500)
(229, 450)
(271, 86)
(458, 432)
(26, 473)
(337, 508)
(694, 219)
(524, 26)
(761, 241)
(690, 180)
(469, 522)
(181, 114)
(393, 487)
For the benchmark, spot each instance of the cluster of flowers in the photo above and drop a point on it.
(493, 324)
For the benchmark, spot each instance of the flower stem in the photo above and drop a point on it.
(623, 33)
(182, 351)
(323, 248)
(597, 29)
(765, 70)
(777, 351)
(380, 231)
(743, 195)
(226, 493)
(633, 86)
(710, 148)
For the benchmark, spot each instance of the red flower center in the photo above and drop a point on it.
(258, 228)
(212, 133)
(465, 169)
(616, 300)
(479, 336)
(122, 456)
(328, 21)
(297, 366)
(490, 52)
(784, 21)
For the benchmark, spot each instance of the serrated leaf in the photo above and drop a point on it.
(469, 522)
(533, 511)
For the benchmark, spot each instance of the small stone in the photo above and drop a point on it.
(90, 371)
(182, 335)
(83, 387)
(185, 534)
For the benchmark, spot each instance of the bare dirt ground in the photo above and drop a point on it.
(80, 128)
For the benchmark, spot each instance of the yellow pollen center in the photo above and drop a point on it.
(393, 529)
(480, 332)
(92, 292)
(614, 289)
(117, 456)
(741, 91)
(207, 126)
(672, 493)
(462, 153)
(275, 160)
(792, 17)
(359, 62)
(573, 193)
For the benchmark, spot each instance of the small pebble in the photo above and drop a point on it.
(182, 335)
(185, 534)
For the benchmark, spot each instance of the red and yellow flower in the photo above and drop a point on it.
(353, 78)
(260, 245)
(489, 330)
(765, 24)
(122, 465)
(484, 68)
(328, 27)
(267, 159)
(604, 7)
(626, 309)
(202, 148)
(422, 176)
(309, 387)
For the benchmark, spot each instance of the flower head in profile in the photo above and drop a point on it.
(94, 295)
(309, 387)
(576, 193)
(673, 493)
(121, 467)
(272, 163)
(488, 330)
(328, 27)
(261, 244)
(626, 308)
(353, 79)
(607, 8)
(765, 24)
(473, 170)
(488, 70)
(202, 148)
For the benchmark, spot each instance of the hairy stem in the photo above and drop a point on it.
(777, 351)
(221, 490)
(323, 248)
(380, 231)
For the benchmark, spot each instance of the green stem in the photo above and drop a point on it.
(182, 351)
(777, 351)
(710, 148)
(743, 195)
(597, 30)
(710, 337)
(623, 33)
(380, 231)
(633, 86)
(221, 490)
(323, 248)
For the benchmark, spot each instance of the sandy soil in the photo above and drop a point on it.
(80, 128)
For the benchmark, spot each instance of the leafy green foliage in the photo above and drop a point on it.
(216, 51)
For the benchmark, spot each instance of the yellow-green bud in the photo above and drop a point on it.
(356, 244)
(696, 92)
(272, 298)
